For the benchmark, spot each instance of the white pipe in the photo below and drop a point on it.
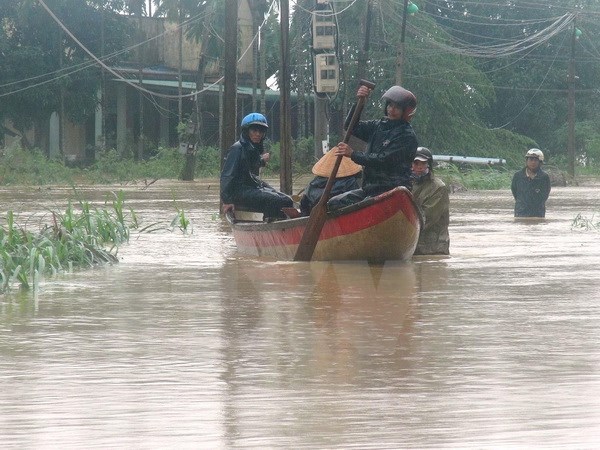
(469, 160)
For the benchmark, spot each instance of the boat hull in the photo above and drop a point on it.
(382, 228)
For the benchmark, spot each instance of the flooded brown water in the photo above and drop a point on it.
(186, 344)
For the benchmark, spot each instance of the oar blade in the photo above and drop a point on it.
(310, 238)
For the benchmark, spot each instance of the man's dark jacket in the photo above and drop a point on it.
(387, 159)
(240, 170)
(530, 193)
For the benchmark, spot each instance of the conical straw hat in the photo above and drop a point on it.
(324, 166)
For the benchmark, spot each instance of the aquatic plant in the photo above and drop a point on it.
(584, 223)
(82, 236)
(180, 220)
(76, 238)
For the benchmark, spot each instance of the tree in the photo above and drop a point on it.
(43, 69)
(524, 49)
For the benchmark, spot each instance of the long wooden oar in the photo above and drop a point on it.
(318, 214)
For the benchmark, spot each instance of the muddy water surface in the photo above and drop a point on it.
(187, 344)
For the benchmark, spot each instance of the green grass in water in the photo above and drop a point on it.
(583, 223)
(76, 238)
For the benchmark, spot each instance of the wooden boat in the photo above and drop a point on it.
(380, 228)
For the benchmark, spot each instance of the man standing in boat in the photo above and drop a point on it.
(240, 184)
(431, 194)
(531, 186)
(391, 147)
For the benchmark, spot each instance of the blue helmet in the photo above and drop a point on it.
(254, 119)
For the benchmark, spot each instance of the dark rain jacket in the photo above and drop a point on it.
(315, 188)
(240, 169)
(432, 197)
(387, 159)
(530, 193)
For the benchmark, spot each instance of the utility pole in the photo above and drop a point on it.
(179, 66)
(140, 149)
(364, 51)
(61, 116)
(321, 125)
(102, 83)
(571, 107)
(229, 117)
(400, 51)
(285, 175)
(326, 71)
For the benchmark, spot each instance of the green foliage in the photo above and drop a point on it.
(42, 65)
(82, 236)
(166, 164)
(484, 178)
(581, 222)
(530, 86)
(181, 221)
(18, 166)
(587, 141)
(208, 162)
(488, 144)
(79, 238)
(473, 100)
(302, 157)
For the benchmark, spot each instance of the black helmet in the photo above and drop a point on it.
(404, 98)
(423, 154)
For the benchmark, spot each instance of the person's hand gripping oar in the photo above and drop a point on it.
(318, 214)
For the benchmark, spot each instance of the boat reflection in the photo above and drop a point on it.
(364, 315)
(336, 315)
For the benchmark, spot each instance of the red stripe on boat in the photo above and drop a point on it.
(387, 205)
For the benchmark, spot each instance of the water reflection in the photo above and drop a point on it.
(187, 344)
(367, 306)
(326, 325)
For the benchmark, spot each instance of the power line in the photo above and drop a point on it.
(115, 72)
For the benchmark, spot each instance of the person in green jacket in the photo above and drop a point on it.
(432, 196)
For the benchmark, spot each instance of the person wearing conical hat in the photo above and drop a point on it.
(346, 179)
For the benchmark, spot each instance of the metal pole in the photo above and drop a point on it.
(229, 118)
(284, 109)
(571, 107)
(180, 50)
(321, 124)
(400, 52)
(364, 51)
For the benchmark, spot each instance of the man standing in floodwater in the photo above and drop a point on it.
(432, 196)
(531, 186)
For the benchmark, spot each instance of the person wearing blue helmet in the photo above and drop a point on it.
(240, 182)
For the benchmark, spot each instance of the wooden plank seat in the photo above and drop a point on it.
(244, 214)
